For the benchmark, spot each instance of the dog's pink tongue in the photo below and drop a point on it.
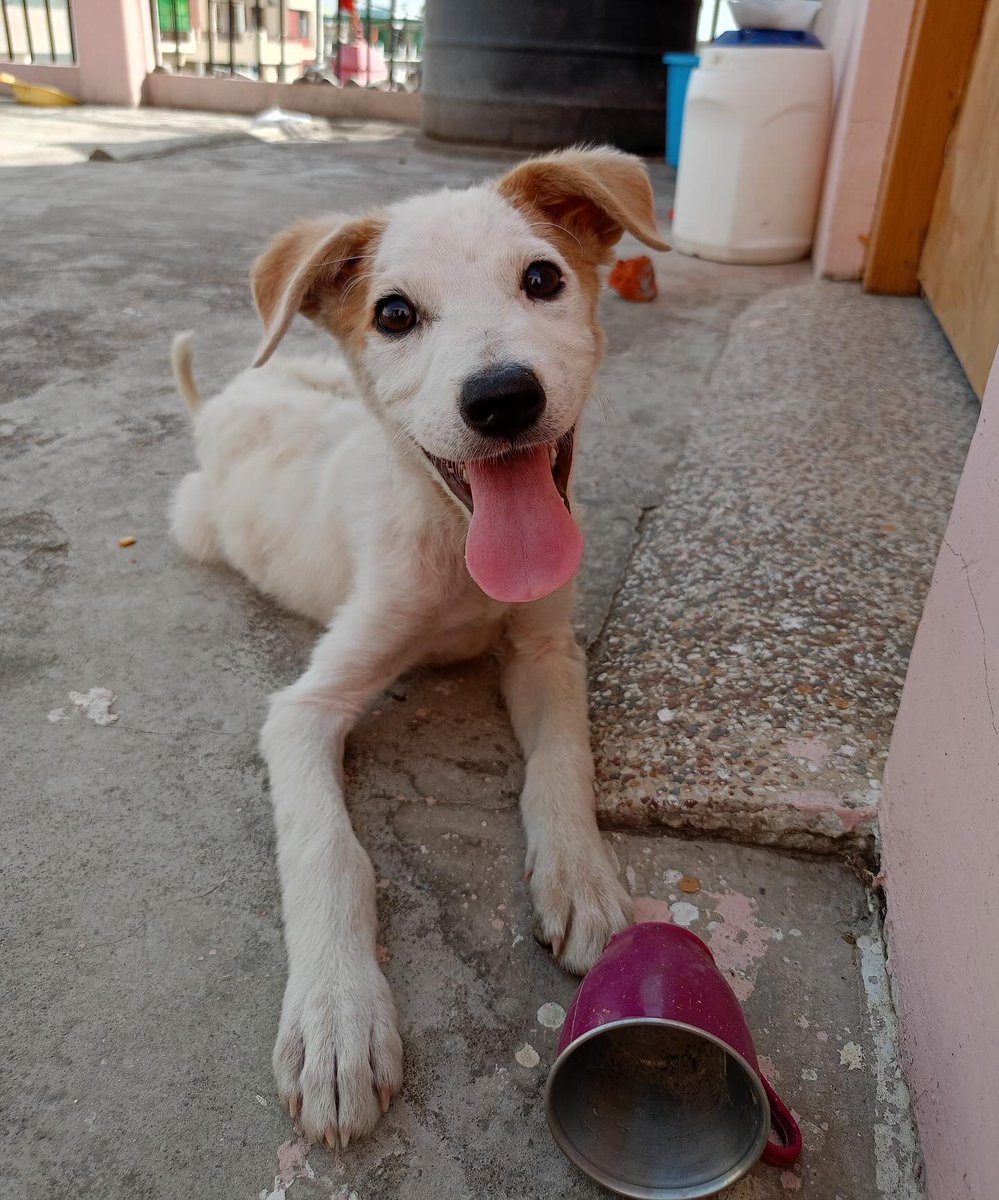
(522, 543)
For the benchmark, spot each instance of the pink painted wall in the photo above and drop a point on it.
(248, 96)
(940, 833)
(114, 49)
(860, 135)
(836, 26)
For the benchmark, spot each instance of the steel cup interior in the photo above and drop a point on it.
(657, 1110)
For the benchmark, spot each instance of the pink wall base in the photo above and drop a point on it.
(247, 96)
(65, 78)
(940, 833)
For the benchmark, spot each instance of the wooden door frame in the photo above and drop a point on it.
(942, 41)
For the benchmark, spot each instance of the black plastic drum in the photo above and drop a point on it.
(541, 73)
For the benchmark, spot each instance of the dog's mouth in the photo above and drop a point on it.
(522, 541)
(560, 452)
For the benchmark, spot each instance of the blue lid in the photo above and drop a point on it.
(768, 37)
(676, 59)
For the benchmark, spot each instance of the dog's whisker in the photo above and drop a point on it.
(535, 223)
(606, 403)
(353, 283)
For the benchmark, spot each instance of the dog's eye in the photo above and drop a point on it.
(395, 314)
(542, 280)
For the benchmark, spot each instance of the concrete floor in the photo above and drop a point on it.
(140, 934)
(749, 672)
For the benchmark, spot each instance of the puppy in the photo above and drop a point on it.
(414, 497)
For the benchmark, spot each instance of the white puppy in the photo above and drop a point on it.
(413, 497)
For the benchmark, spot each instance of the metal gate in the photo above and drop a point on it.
(37, 31)
(346, 43)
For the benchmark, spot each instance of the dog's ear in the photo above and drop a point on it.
(594, 195)
(306, 270)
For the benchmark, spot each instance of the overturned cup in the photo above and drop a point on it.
(656, 1092)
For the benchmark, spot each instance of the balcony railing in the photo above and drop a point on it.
(37, 31)
(349, 42)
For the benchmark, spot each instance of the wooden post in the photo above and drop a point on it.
(941, 46)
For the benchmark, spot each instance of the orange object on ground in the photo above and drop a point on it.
(634, 279)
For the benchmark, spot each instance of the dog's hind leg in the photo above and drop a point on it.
(579, 900)
(191, 521)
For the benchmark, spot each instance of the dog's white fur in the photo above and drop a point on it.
(312, 481)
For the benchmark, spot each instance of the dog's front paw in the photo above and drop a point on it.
(338, 1056)
(579, 901)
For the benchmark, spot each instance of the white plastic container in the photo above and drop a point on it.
(755, 135)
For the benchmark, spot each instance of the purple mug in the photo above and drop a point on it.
(656, 1092)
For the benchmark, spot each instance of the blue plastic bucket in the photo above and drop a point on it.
(678, 68)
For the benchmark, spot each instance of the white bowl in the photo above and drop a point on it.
(774, 14)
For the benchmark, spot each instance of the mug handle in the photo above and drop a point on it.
(786, 1151)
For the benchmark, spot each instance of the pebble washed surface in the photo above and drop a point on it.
(749, 672)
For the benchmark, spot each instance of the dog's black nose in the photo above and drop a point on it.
(502, 401)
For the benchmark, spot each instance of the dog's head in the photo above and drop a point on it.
(470, 320)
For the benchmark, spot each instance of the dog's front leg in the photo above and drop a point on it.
(578, 897)
(338, 1056)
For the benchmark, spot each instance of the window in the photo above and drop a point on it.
(175, 17)
(222, 10)
(298, 24)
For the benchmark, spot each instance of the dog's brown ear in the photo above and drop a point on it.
(306, 270)
(594, 195)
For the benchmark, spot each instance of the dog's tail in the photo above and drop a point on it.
(183, 373)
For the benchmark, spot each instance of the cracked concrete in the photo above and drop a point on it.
(140, 934)
(966, 571)
(142, 1059)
